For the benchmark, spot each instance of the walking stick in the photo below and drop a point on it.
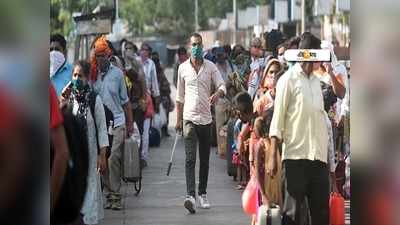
(172, 154)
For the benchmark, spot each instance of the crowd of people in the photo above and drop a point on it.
(112, 96)
(286, 122)
(280, 122)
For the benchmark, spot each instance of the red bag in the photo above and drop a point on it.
(250, 197)
(149, 107)
(236, 159)
(336, 209)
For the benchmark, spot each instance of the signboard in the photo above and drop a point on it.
(295, 12)
(87, 27)
(307, 55)
(323, 7)
(281, 11)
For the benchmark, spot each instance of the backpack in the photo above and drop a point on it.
(109, 118)
(73, 191)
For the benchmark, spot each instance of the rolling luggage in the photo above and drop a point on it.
(131, 161)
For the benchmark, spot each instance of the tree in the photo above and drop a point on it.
(162, 17)
(61, 20)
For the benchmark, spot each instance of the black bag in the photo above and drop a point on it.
(70, 200)
(154, 137)
(109, 119)
(229, 151)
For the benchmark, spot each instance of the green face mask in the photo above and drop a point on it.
(197, 52)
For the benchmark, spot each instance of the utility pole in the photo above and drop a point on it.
(303, 16)
(234, 21)
(196, 15)
(117, 9)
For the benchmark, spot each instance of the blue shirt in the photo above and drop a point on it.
(111, 87)
(61, 78)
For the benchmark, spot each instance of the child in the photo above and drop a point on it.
(244, 106)
(270, 187)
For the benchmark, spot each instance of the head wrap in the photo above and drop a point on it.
(57, 61)
(100, 46)
(269, 64)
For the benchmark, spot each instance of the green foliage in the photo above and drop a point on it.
(163, 17)
(61, 20)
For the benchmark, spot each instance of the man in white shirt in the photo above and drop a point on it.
(195, 79)
(299, 122)
(150, 76)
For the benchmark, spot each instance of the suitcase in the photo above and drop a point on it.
(269, 215)
(229, 151)
(131, 163)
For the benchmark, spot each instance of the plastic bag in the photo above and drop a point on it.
(163, 115)
(136, 134)
(250, 197)
(159, 119)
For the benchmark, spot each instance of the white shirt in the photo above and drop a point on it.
(150, 73)
(299, 116)
(194, 90)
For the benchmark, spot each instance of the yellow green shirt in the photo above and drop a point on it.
(298, 117)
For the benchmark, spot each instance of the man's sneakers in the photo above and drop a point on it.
(190, 203)
(203, 201)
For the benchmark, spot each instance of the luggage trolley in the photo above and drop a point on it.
(132, 170)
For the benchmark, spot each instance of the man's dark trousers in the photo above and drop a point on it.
(196, 135)
(301, 179)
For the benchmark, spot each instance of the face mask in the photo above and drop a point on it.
(130, 54)
(197, 52)
(104, 65)
(78, 85)
(269, 83)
